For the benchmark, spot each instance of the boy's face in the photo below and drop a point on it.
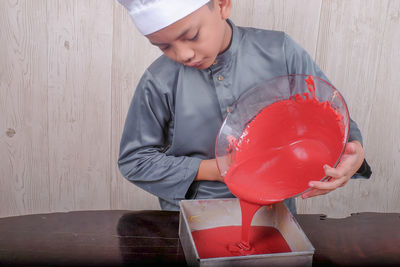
(198, 38)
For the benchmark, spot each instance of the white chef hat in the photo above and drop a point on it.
(152, 15)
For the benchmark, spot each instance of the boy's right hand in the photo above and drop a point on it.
(208, 171)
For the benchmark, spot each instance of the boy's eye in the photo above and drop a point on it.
(164, 48)
(195, 37)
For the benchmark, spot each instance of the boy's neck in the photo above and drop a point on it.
(227, 37)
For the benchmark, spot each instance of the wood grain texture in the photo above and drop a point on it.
(79, 69)
(132, 54)
(23, 108)
(69, 68)
(358, 48)
(299, 19)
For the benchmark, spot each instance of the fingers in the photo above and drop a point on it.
(231, 140)
(337, 179)
(322, 188)
(338, 176)
(350, 148)
(330, 185)
(334, 172)
(314, 192)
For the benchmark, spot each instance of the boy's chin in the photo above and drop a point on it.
(205, 65)
(201, 66)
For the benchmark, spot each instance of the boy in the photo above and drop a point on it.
(167, 146)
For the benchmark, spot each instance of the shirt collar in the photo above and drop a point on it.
(225, 58)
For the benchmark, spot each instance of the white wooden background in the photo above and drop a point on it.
(68, 70)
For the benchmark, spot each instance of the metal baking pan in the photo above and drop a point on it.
(210, 213)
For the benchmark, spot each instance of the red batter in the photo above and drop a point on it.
(264, 239)
(283, 148)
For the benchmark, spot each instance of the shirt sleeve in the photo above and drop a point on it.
(298, 61)
(142, 158)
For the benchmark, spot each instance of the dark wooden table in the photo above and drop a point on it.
(122, 238)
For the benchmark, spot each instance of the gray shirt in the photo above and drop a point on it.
(176, 112)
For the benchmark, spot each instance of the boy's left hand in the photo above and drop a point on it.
(350, 162)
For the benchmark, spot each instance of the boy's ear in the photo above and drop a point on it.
(225, 8)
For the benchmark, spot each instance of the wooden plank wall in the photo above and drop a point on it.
(68, 70)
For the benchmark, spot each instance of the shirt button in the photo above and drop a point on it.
(220, 77)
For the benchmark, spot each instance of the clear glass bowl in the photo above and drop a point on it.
(257, 98)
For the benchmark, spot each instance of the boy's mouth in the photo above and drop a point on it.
(195, 65)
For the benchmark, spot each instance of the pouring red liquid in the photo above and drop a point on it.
(279, 151)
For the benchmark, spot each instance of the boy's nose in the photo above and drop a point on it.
(184, 54)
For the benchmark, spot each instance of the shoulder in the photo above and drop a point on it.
(159, 77)
(158, 82)
(164, 70)
(262, 36)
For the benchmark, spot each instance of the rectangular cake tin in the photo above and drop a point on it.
(210, 213)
